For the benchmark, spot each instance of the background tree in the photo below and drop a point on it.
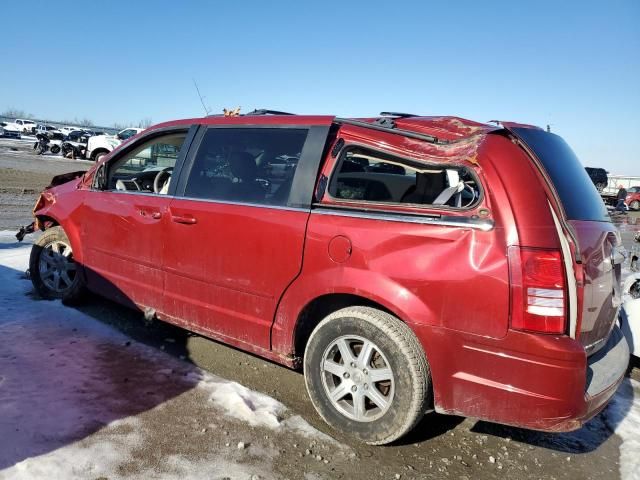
(145, 122)
(16, 113)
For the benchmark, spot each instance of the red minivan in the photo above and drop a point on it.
(404, 262)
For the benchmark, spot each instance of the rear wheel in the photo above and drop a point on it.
(53, 270)
(367, 374)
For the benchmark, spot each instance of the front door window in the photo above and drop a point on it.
(148, 167)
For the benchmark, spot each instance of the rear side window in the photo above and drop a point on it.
(368, 176)
(578, 194)
(246, 165)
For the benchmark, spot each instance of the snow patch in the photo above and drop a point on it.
(623, 416)
(239, 402)
(83, 459)
(72, 394)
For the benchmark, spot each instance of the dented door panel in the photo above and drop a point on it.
(226, 271)
(427, 274)
(122, 239)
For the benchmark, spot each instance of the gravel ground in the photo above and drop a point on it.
(23, 175)
(441, 446)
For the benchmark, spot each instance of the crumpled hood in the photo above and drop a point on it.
(64, 178)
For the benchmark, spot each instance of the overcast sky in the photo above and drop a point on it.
(573, 64)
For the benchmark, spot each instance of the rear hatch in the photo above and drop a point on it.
(597, 238)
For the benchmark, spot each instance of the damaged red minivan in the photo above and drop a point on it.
(405, 263)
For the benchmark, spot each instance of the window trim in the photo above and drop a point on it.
(302, 187)
(464, 221)
(395, 207)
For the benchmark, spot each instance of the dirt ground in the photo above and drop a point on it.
(441, 446)
(23, 175)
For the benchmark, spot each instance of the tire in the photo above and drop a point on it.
(39, 150)
(389, 407)
(55, 149)
(98, 156)
(52, 258)
(635, 205)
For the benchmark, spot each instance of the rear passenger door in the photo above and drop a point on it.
(236, 229)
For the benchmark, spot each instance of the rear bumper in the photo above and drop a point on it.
(541, 382)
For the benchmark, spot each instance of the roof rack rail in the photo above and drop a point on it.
(391, 129)
(265, 111)
(397, 114)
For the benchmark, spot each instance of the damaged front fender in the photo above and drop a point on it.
(46, 200)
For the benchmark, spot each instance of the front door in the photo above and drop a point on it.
(235, 231)
(124, 221)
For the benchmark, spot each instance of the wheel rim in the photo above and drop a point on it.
(57, 268)
(357, 378)
(635, 205)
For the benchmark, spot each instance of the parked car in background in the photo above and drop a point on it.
(20, 125)
(49, 130)
(9, 131)
(633, 198)
(78, 136)
(599, 177)
(405, 263)
(99, 145)
(25, 126)
(67, 130)
(94, 132)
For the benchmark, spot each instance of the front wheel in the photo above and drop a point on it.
(635, 205)
(53, 270)
(367, 374)
(98, 156)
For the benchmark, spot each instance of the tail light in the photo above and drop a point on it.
(538, 290)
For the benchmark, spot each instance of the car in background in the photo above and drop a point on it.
(9, 131)
(633, 198)
(49, 130)
(99, 145)
(67, 130)
(25, 126)
(599, 177)
(78, 136)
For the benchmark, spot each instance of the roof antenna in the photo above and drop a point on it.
(206, 110)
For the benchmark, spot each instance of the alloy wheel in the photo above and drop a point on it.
(57, 268)
(357, 378)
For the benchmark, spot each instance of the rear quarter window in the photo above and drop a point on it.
(579, 196)
(365, 175)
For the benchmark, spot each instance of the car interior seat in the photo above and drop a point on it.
(427, 188)
(245, 171)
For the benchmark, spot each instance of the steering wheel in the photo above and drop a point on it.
(161, 178)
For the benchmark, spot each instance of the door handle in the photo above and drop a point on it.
(156, 215)
(186, 219)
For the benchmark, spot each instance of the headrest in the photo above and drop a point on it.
(243, 166)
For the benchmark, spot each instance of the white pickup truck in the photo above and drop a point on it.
(99, 145)
(23, 126)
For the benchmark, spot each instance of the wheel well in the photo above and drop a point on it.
(316, 310)
(97, 151)
(45, 222)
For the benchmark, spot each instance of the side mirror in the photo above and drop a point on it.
(100, 178)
